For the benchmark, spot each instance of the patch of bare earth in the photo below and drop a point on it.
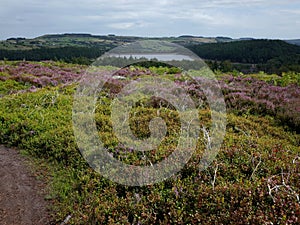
(21, 194)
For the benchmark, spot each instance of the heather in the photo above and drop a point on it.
(252, 96)
(37, 75)
(246, 95)
(253, 180)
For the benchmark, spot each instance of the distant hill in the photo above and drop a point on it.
(89, 40)
(294, 42)
(273, 56)
(73, 45)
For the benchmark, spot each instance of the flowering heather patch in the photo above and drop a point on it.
(250, 95)
(40, 74)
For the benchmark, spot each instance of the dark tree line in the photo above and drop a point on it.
(81, 55)
(271, 56)
(281, 64)
(253, 51)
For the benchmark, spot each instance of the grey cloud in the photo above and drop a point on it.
(257, 18)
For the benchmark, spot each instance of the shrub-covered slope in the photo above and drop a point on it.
(253, 180)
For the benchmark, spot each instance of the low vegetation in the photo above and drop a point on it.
(253, 180)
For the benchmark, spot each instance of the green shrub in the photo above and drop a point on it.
(253, 180)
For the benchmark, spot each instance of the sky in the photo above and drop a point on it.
(272, 19)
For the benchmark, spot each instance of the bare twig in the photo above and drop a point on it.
(215, 176)
(295, 159)
(147, 159)
(288, 189)
(66, 220)
(207, 138)
(255, 169)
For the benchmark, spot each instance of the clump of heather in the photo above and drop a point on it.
(249, 95)
(40, 74)
(253, 96)
(133, 72)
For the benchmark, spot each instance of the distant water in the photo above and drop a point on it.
(160, 57)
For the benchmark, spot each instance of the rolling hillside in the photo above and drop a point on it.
(271, 56)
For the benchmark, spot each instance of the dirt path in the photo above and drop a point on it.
(21, 201)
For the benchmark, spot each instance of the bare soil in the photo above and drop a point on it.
(21, 194)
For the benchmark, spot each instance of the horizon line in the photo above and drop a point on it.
(141, 36)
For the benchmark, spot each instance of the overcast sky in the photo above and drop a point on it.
(233, 18)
